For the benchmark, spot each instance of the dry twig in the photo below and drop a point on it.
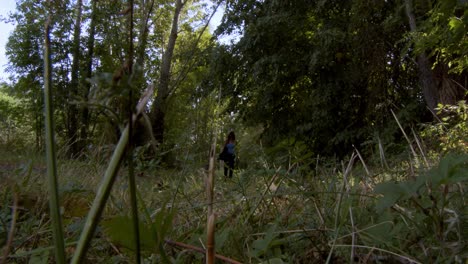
(200, 250)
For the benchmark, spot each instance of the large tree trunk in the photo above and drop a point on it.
(451, 87)
(142, 131)
(426, 77)
(158, 111)
(438, 86)
(73, 94)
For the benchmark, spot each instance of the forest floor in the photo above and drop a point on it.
(267, 213)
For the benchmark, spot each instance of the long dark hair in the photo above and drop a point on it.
(230, 138)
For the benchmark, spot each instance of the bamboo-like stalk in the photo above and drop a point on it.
(50, 150)
(210, 225)
(101, 198)
(210, 179)
(106, 186)
(210, 244)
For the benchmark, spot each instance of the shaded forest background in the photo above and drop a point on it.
(363, 102)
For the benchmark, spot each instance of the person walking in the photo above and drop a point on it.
(228, 154)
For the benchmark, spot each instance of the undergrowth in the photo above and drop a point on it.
(292, 209)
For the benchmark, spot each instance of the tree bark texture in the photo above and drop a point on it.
(158, 111)
(438, 86)
(451, 87)
(426, 77)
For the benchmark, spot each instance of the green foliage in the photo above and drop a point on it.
(268, 246)
(431, 204)
(13, 120)
(120, 230)
(307, 80)
(444, 34)
(449, 134)
(452, 169)
(323, 73)
(152, 234)
(291, 220)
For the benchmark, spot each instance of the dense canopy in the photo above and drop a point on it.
(351, 121)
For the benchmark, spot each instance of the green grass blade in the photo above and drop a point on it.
(106, 185)
(101, 198)
(50, 152)
(338, 206)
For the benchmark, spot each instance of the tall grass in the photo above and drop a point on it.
(265, 213)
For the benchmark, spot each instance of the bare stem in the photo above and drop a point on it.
(201, 250)
(11, 233)
(50, 151)
(106, 185)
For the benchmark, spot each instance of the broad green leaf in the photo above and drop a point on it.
(161, 226)
(391, 193)
(273, 261)
(40, 257)
(120, 231)
(221, 237)
(454, 23)
(261, 245)
(163, 223)
(451, 169)
(381, 231)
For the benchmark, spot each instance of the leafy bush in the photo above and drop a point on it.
(450, 133)
(428, 210)
(14, 130)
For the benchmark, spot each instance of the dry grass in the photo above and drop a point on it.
(266, 212)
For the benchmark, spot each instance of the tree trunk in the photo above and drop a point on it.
(158, 111)
(426, 77)
(87, 85)
(451, 87)
(142, 132)
(144, 36)
(73, 94)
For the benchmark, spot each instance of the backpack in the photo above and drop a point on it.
(224, 155)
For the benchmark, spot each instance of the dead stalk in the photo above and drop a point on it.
(210, 243)
(200, 250)
(407, 138)
(11, 233)
(210, 252)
